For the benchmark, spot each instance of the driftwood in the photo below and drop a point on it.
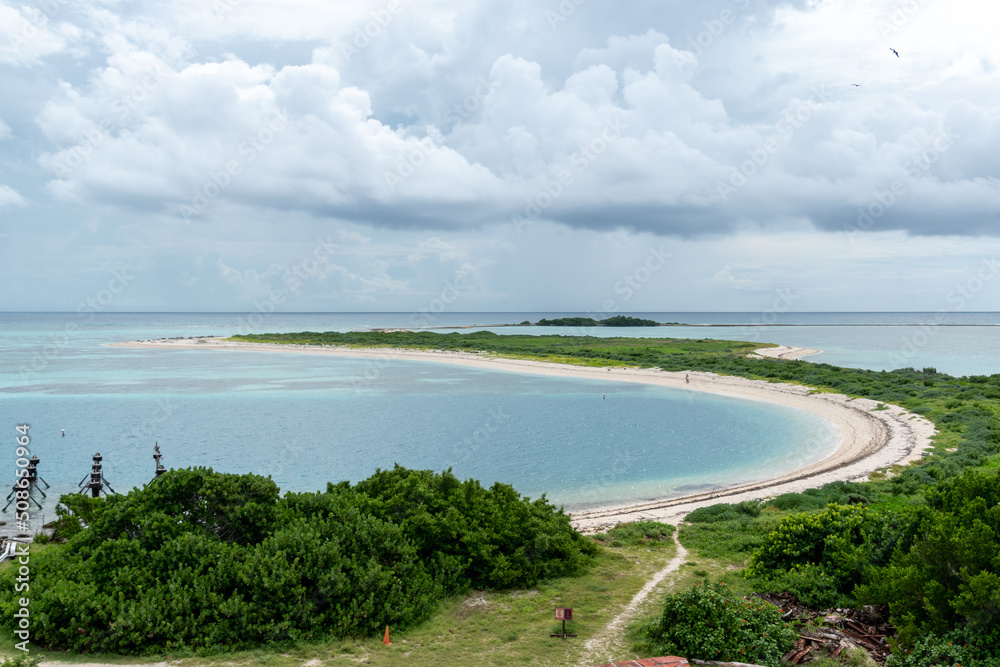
(837, 640)
(835, 630)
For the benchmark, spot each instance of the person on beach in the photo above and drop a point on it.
(687, 378)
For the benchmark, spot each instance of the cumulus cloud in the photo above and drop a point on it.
(627, 138)
(295, 138)
(28, 35)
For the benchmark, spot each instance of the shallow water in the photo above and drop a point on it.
(306, 420)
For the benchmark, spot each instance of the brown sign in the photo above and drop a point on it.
(564, 614)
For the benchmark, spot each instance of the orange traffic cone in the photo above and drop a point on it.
(385, 640)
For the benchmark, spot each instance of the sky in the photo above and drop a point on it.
(543, 155)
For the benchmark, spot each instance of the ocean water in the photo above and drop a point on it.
(307, 420)
(955, 343)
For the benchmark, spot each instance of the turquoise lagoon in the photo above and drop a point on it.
(307, 420)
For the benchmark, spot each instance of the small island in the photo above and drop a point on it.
(616, 321)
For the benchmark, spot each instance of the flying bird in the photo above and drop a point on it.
(856, 84)
(894, 51)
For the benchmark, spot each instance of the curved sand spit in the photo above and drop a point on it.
(871, 439)
(785, 352)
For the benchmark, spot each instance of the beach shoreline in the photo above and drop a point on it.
(871, 439)
(785, 352)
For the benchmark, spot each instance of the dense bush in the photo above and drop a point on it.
(936, 566)
(931, 651)
(482, 538)
(821, 557)
(710, 622)
(748, 509)
(798, 502)
(841, 493)
(73, 513)
(949, 580)
(202, 560)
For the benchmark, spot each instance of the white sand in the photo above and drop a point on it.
(785, 352)
(871, 439)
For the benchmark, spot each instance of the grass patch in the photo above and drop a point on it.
(637, 534)
(34, 549)
(730, 542)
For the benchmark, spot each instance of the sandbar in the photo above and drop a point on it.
(785, 352)
(871, 438)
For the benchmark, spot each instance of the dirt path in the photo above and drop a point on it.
(599, 648)
(59, 663)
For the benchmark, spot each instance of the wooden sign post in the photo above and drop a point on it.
(563, 614)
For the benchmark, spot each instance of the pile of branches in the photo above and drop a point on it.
(834, 631)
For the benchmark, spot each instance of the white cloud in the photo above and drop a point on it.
(29, 34)
(11, 197)
(635, 140)
(725, 278)
(435, 247)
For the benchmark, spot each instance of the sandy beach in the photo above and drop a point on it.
(871, 439)
(785, 352)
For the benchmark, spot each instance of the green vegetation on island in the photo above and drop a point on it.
(211, 561)
(929, 559)
(568, 322)
(616, 321)
(199, 561)
(582, 350)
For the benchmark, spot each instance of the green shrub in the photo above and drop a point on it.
(811, 584)
(797, 502)
(484, 538)
(203, 561)
(73, 512)
(710, 622)
(949, 579)
(841, 493)
(821, 557)
(931, 650)
(748, 509)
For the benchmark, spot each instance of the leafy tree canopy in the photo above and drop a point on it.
(206, 560)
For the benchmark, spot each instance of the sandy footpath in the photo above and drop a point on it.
(871, 439)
